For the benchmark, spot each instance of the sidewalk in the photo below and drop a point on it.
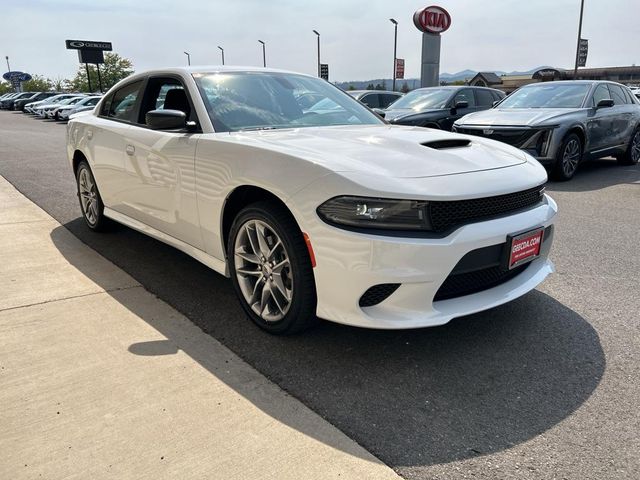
(100, 379)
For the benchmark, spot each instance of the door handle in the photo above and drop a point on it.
(130, 149)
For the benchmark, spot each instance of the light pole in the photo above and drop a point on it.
(222, 50)
(8, 67)
(395, 46)
(188, 58)
(318, 34)
(575, 69)
(264, 54)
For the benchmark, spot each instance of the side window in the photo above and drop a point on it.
(617, 94)
(465, 95)
(124, 101)
(497, 96)
(371, 100)
(165, 94)
(388, 99)
(601, 93)
(484, 97)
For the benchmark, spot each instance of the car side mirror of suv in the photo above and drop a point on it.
(605, 103)
(166, 119)
(458, 105)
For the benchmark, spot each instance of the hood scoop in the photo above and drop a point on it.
(448, 143)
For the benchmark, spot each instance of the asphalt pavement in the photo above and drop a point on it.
(544, 387)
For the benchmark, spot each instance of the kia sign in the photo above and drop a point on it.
(432, 20)
(88, 45)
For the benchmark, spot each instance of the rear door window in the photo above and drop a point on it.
(371, 100)
(465, 95)
(601, 93)
(617, 94)
(484, 97)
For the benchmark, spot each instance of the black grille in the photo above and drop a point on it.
(515, 137)
(477, 281)
(446, 215)
(377, 294)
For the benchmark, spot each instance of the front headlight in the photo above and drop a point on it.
(376, 213)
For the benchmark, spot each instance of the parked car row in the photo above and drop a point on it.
(54, 105)
(561, 124)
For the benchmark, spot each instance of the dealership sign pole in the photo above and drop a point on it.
(431, 21)
(90, 52)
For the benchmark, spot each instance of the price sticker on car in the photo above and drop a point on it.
(525, 247)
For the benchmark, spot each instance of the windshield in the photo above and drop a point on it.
(423, 98)
(547, 96)
(265, 101)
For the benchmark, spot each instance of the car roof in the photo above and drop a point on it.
(358, 92)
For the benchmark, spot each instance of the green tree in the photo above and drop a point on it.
(5, 87)
(59, 84)
(405, 88)
(37, 84)
(114, 69)
(370, 86)
(384, 85)
(351, 87)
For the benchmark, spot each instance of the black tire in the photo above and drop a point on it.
(95, 220)
(632, 155)
(300, 313)
(568, 158)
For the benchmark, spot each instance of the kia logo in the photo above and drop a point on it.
(432, 20)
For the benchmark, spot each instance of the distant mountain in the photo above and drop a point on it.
(415, 82)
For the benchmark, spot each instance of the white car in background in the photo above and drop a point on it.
(84, 104)
(53, 102)
(51, 111)
(335, 215)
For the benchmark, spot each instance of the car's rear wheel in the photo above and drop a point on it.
(568, 158)
(90, 200)
(271, 269)
(632, 155)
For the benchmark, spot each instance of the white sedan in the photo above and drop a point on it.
(330, 214)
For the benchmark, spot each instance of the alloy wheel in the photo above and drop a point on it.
(88, 196)
(571, 157)
(635, 147)
(263, 270)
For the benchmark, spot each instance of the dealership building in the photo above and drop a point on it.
(509, 83)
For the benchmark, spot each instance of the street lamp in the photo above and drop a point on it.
(188, 58)
(222, 50)
(318, 34)
(8, 67)
(264, 54)
(575, 70)
(395, 46)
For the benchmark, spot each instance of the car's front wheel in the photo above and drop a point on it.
(271, 269)
(632, 155)
(90, 200)
(568, 158)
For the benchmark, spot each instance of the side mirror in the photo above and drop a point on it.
(379, 111)
(605, 103)
(166, 119)
(496, 102)
(462, 104)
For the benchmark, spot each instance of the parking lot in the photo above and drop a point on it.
(543, 387)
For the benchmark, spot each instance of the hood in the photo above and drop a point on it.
(516, 116)
(385, 150)
(397, 113)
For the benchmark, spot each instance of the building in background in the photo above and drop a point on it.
(508, 83)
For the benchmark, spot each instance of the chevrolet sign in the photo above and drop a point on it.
(88, 45)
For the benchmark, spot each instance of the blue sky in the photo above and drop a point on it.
(357, 37)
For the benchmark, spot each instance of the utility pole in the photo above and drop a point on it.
(395, 47)
(8, 67)
(264, 54)
(575, 69)
(222, 50)
(318, 34)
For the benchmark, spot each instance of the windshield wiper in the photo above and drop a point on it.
(249, 129)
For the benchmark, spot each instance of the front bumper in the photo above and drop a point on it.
(349, 263)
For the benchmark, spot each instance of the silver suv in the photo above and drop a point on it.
(563, 123)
